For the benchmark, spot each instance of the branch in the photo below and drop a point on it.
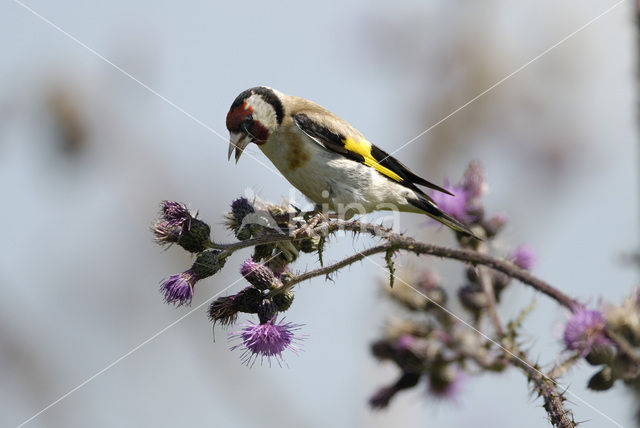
(492, 309)
(547, 389)
(477, 258)
(399, 241)
(562, 367)
(326, 270)
(270, 238)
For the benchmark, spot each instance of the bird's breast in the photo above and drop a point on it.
(329, 178)
(309, 167)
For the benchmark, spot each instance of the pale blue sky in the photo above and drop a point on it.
(78, 267)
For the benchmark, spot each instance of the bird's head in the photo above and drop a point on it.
(254, 115)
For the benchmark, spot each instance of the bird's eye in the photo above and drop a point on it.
(248, 122)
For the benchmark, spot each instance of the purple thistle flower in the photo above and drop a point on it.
(223, 310)
(168, 228)
(175, 213)
(466, 205)
(474, 182)
(524, 257)
(248, 266)
(178, 289)
(266, 340)
(500, 219)
(495, 224)
(455, 206)
(177, 225)
(165, 233)
(475, 186)
(584, 331)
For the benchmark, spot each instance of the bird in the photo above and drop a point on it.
(327, 159)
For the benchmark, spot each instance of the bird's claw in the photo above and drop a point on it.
(307, 230)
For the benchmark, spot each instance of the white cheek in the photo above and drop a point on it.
(263, 111)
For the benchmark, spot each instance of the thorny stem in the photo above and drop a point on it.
(487, 287)
(547, 388)
(399, 241)
(503, 266)
(271, 238)
(562, 367)
(326, 270)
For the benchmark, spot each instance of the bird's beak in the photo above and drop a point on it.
(238, 141)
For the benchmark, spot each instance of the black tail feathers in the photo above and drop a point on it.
(431, 209)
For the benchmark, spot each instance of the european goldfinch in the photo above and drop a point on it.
(326, 158)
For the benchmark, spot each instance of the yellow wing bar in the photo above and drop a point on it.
(363, 148)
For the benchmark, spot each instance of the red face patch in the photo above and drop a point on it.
(260, 133)
(236, 116)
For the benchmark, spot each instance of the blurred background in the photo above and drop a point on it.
(87, 153)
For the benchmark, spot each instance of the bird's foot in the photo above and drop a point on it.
(307, 230)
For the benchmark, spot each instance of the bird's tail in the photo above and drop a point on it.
(432, 210)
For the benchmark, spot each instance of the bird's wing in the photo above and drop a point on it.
(357, 148)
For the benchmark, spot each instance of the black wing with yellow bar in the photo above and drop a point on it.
(361, 150)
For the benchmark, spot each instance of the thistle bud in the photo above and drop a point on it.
(494, 225)
(309, 245)
(625, 367)
(240, 208)
(383, 349)
(195, 237)
(263, 252)
(208, 263)
(600, 354)
(258, 275)
(602, 380)
(625, 319)
(473, 298)
(248, 299)
(176, 225)
(437, 297)
(283, 300)
(407, 380)
(266, 310)
(472, 274)
(243, 234)
(500, 281)
(445, 382)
